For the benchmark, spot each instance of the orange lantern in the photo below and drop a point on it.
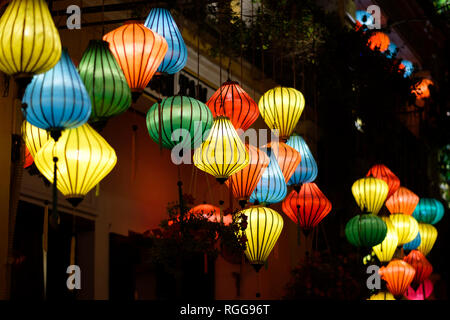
(287, 157)
(380, 171)
(244, 182)
(422, 266)
(28, 158)
(402, 201)
(398, 274)
(421, 90)
(379, 40)
(212, 213)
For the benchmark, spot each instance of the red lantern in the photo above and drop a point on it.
(231, 101)
(287, 157)
(28, 158)
(423, 268)
(382, 172)
(379, 40)
(398, 274)
(402, 201)
(212, 213)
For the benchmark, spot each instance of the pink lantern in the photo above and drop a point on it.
(424, 289)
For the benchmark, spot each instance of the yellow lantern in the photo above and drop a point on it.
(382, 295)
(386, 249)
(406, 227)
(264, 226)
(281, 109)
(222, 153)
(370, 194)
(29, 40)
(428, 235)
(35, 138)
(84, 158)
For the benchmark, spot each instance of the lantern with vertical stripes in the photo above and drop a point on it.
(422, 266)
(402, 201)
(307, 170)
(382, 295)
(379, 41)
(365, 230)
(386, 249)
(423, 291)
(287, 157)
(34, 137)
(382, 172)
(370, 194)
(428, 236)
(161, 21)
(398, 275)
(427, 210)
(414, 244)
(405, 226)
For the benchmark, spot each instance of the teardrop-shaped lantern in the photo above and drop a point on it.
(378, 41)
(370, 194)
(288, 158)
(365, 230)
(271, 188)
(382, 172)
(307, 170)
(405, 226)
(422, 266)
(428, 236)
(35, 138)
(84, 159)
(423, 291)
(382, 295)
(427, 210)
(402, 201)
(222, 153)
(161, 21)
(104, 81)
(28, 158)
(139, 52)
(386, 249)
(264, 226)
(29, 40)
(398, 275)
(231, 101)
(281, 109)
(179, 113)
(307, 207)
(414, 244)
(244, 182)
(57, 100)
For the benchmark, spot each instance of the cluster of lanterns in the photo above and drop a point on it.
(407, 226)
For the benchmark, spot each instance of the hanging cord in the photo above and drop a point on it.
(103, 18)
(242, 41)
(55, 190)
(298, 225)
(253, 54)
(258, 285)
(45, 247)
(198, 62)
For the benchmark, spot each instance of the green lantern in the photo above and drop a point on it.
(179, 112)
(365, 230)
(104, 81)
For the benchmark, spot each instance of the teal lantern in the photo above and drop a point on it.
(414, 244)
(427, 210)
(365, 230)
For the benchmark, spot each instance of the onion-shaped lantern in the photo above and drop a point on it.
(28, 158)
(288, 158)
(407, 67)
(57, 100)
(424, 290)
(139, 52)
(189, 116)
(34, 137)
(212, 213)
(370, 194)
(222, 153)
(264, 226)
(402, 201)
(386, 249)
(428, 236)
(231, 101)
(84, 158)
(382, 295)
(29, 40)
(382, 172)
(244, 182)
(281, 109)
(414, 244)
(422, 266)
(427, 210)
(378, 41)
(104, 81)
(405, 226)
(307, 170)
(307, 207)
(161, 21)
(398, 275)
(365, 230)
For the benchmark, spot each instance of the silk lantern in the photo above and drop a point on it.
(28, 158)
(161, 21)
(378, 41)
(364, 18)
(398, 275)
(307, 170)
(421, 89)
(427, 210)
(414, 244)
(424, 290)
(402, 201)
(391, 51)
(405, 226)
(365, 230)
(407, 67)
(439, 216)
(382, 295)
(386, 249)
(422, 266)
(212, 213)
(370, 194)
(34, 137)
(382, 172)
(287, 157)
(428, 235)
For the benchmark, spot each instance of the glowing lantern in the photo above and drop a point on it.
(424, 290)
(439, 216)
(370, 194)
(402, 201)
(427, 210)
(222, 153)
(379, 41)
(104, 81)
(179, 113)
(382, 172)
(386, 249)
(407, 67)
(264, 226)
(398, 274)
(365, 230)
(281, 109)
(271, 188)
(287, 157)
(428, 235)
(34, 137)
(422, 266)
(231, 101)
(382, 295)
(363, 18)
(413, 244)
(139, 52)
(421, 89)
(29, 40)
(391, 51)
(405, 226)
(84, 159)
(212, 213)
(160, 21)
(307, 207)
(28, 158)
(244, 182)
(307, 170)
(57, 100)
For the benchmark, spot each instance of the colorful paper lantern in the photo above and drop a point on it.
(212, 213)
(161, 21)
(307, 170)
(34, 137)
(398, 275)
(185, 114)
(29, 40)
(281, 109)
(378, 41)
(391, 51)
(428, 236)
(382, 295)
(84, 159)
(382, 172)
(364, 18)
(104, 81)
(427, 210)
(407, 67)
(370, 194)
(421, 89)
(287, 157)
(424, 291)
(439, 216)
(386, 249)
(365, 230)
(405, 226)
(422, 266)
(413, 244)
(28, 158)
(222, 153)
(402, 201)
(264, 226)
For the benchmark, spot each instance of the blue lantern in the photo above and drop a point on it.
(391, 50)
(413, 245)
(409, 68)
(271, 188)
(427, 210)
(364, 18)
(307, 169)
(57, 99)
(160, 21)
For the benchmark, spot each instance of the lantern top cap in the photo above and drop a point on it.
(230, 82)
(133, 22)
